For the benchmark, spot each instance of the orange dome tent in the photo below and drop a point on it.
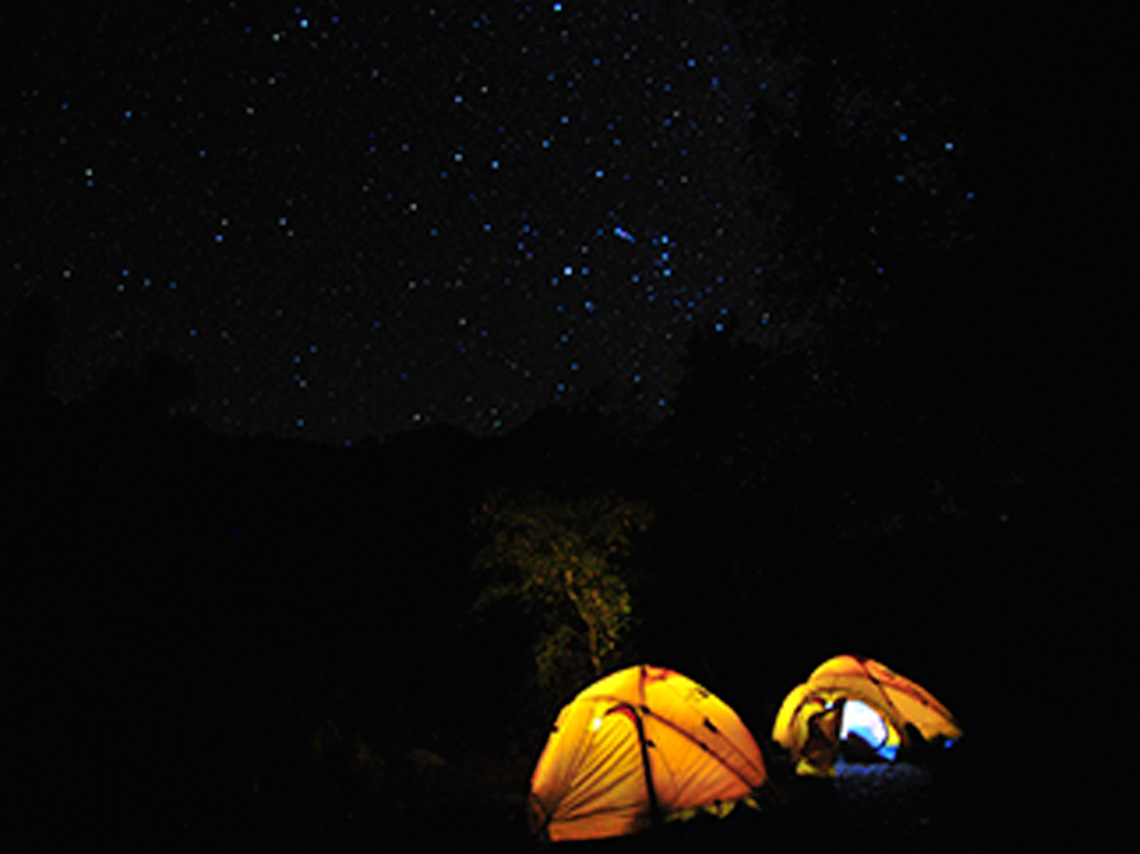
(852, 695)
(638, 747)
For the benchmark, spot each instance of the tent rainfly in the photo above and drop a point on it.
(849, 695)
(639, 747)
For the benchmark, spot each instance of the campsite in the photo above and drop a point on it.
(363, 495)
(260, 644)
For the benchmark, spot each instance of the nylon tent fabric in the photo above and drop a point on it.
(642, 745)
(811, 724)
(901, 703)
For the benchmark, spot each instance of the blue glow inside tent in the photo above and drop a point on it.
(865, 722)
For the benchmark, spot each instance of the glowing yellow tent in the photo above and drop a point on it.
(849, 695)
(641, 746)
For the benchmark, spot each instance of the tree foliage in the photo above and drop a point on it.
(565, 563)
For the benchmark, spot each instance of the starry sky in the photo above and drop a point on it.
(352, 219)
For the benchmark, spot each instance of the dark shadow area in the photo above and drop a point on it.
(224, 639)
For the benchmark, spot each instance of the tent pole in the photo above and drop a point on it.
(651, 792)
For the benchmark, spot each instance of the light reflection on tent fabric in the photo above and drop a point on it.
(861, 720)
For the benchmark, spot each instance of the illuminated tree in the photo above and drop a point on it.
(564, 562)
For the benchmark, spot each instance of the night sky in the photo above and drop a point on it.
(346, 219)
(348, 222)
